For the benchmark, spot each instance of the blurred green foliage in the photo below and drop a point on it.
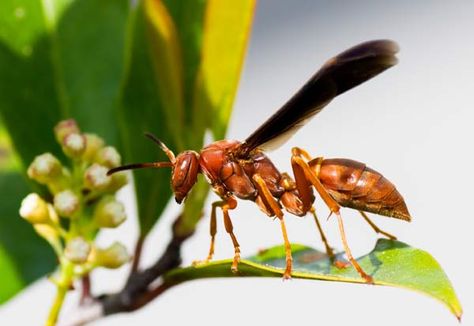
(119, 68)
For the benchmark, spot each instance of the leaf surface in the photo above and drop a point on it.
(59, 59)
(140, 110)
(391, 263)
(227, 26)
(24, 256)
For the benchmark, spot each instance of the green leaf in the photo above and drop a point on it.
(225, 28)
(59, 59)
(140, 110)
(24, 257)
(226, 31)
(11, 281)
(390, 263)
(89, 47)
(188, 17)
(9, 160)
(165, 57)
(28, 94)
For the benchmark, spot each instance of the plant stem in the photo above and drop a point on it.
(62, 286)
(137, 254)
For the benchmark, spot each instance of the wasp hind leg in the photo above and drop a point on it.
(304, 189)
(329, 250)
(301, 168)
(376, 228)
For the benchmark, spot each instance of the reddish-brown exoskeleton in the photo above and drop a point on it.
(242, 170)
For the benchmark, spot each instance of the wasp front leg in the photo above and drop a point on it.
(212, 231)
(301, 168)
(230, 203)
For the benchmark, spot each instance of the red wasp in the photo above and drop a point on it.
(242, 170)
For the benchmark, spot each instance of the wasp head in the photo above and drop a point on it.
(185, 168)
(184, 174)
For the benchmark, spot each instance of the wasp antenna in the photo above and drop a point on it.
(162, 145)
(140, 166)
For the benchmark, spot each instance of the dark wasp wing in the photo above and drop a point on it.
(339, 74)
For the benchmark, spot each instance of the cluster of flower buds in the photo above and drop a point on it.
(82, 195)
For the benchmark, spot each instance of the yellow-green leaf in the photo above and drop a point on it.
(227, 27)
(167, 64)
(390, 263)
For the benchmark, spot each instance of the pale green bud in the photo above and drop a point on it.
(112, 257)
(50, 234)
(109, 213)
(66, 203)
(108, 156)
(93, 144)
(64, 128)
(74, 145)
(35, 210)
(77, 250)
(95, 177)
(117, 181)
(44, 168)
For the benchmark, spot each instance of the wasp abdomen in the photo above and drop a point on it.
(353, 184)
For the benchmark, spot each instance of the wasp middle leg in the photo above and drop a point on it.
(273, 205)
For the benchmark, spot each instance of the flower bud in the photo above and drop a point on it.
(74, 145)
(117, 181)
(95, 177)
(113, 257)
(50, 234)
(109, 213)
(64, 128)
(34, 209)
(44, 168)
(108, 156)
(93, 144)
(77, 250)
(66, 203)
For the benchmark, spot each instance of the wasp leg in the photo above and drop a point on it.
(376, 228)
(273, 205)
(213, 231)
(334, 208)
(329, 250)
(354, 263)
(306, 196)
(231, 203)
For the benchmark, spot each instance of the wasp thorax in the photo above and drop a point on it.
(184, 175)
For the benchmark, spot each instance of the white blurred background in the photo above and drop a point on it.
(414, 123)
